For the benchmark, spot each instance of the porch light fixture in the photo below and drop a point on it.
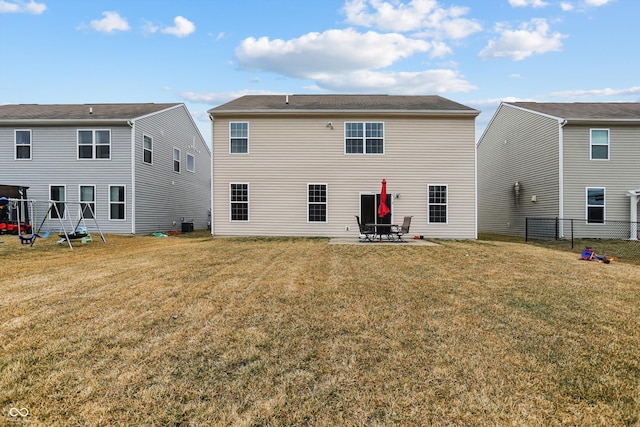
(330, 125)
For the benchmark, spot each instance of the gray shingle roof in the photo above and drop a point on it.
(78, 111)
(585, 110)
(343, 103)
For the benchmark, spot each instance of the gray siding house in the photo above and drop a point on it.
(306, 165)
(142, 167)
(576, 161)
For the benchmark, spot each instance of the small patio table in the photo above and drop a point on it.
(383, 230)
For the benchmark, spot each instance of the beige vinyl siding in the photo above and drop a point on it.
(163, 196)
(519, 146)
(617, 175)
(55, 161)
(287, 153)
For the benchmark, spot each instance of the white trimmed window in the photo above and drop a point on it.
(88, 201)
(147, 149)
(364, 138)
(239, 137)
(191, 163)
(57, 194)
(94, 144)
(239, 201)
(438, 204)
(176, 160)
(595, 205)
(599, 142)
(117, 202)
(317, 202)
(23, 144)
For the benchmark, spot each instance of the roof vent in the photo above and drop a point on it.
(286, 99)
(90, 110)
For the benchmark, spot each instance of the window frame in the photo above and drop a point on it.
(62, 202)
(16, 145)
(146, 150)
(94, 144)
(603, 206)
(365, 139)
(176, 162)
(324, 203)
(593, 144)
(445, 204)
(193, 163)
(238, 202)
(87, 202)
(232, 138)
(123, 202)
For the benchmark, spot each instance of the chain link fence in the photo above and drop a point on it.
(618, 239)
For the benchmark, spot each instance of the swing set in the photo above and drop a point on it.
(85, 212)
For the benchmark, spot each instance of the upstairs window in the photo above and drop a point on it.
(176, 160)
(317, 203)
(599, 144)
(437, 204)
(595, 205)
(147, 149)
(364, 138)
(94, 144)
(191, 163)
(23, 144)
(239, 138)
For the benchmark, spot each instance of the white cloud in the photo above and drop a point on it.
(409, 83)
(525, 3)
(217, 98)
(149, 27)
(111, 22)
(333, 51)
(530, 39)
(597, 2)
(567, 7)
(346, 60)
(632, 91)
(424, 16)
(32, 7)
(182, 28)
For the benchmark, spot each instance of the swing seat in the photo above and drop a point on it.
(29, 240)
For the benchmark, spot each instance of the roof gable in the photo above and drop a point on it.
(94, 112)
(585, 110)
(343, 103)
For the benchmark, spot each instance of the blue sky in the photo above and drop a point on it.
(207, 52)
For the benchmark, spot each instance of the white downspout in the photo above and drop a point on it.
(562, 123)
(133, 175)
(633, 214)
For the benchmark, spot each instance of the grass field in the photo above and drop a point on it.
(200, 331)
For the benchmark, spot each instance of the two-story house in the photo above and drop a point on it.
(140, 167)
(306, 165)
(577, 161)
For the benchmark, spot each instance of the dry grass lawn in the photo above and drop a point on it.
(202, 331)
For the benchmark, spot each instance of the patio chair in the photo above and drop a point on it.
(367, 233)
(398, 232)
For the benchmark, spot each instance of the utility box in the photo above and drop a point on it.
(187, 227)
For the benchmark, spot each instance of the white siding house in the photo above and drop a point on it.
(120, 157)
(578, 161)
(306, 165)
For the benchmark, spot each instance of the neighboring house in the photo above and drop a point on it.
(576, 161)
(305, 165)
(141, 167)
